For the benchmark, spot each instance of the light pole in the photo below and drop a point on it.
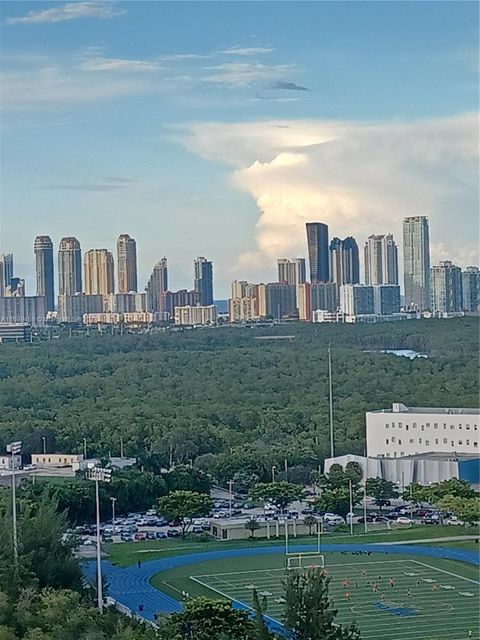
(14, 448)
(351, 505)
(84, 448)
(44, 442)
(113, 500)
(273, 473)
(230, 485)
(99, 474)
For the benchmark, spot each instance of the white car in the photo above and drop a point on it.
(404, 520)
(455, 521)
(333, 518)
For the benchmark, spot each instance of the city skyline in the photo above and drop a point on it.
(237, 139)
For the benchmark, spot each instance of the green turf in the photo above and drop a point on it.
(128, 553)
(433, 615)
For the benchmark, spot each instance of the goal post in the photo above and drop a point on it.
(305, 561)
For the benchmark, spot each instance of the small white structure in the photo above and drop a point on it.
(57, 460)
(6, 462)
(405, 431)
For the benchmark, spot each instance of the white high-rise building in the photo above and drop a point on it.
(446, 288)
(381, 260)
(416, 262)
(291, 271)
(99, 272)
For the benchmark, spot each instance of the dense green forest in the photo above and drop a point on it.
(225, 399)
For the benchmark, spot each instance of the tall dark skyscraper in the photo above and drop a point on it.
(157, 284)
(69, 267)
(6, 272)
(43, 249)
(126, 264)
(203, 280)
(318, 255)
(344, 261)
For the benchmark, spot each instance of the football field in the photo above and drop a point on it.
(397, 598)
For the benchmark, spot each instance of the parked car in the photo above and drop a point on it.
(159, 535)
(404, 520)
(173, 533)
(455, 521)
(197, 529)
(125, 537)
(139, 536)
(333, 518)
(150, 535)
(429, 520)
(307, 511)
(368, 519)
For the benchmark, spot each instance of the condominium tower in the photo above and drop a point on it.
(69, 267)
(471, 289)
(126, 264)
(381, 260)
(43, 249)
(157, 284)
(344, 261)
(446, 288)
(291, 271)
(6, 272)
(99, 272)
(203, 280)
(318, 255)
(416, 262)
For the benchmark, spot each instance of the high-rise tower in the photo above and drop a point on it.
(446, 288)
(43, 249)
(157, 284)
(317, 241)
(291, 271)
(99, 272)
(126, 264)
(416, 262)
(381, 260)
(69, 267)
(203, 280)
(6, 272)
(344, 262)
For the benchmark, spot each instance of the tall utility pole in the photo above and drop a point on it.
(330, 390)
(99, 474)
(14, 448)
(230, 496)
(113, 500)
(351, 505)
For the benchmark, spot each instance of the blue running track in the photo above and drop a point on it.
(131, 586)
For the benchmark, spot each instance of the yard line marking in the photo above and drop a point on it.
(454, 575)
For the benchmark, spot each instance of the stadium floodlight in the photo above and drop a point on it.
(99, 474)
(14, 448)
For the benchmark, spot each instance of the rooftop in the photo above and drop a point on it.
(398, 407)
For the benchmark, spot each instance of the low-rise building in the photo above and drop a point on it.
(198, 315)
(57, 459)
(15, 332)
(6, 461)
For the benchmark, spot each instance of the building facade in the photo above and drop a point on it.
(203, 280)
(291, 270)
(416, 262)
(323, 295)
(404, 431)
(126, 264)
(73, 308)
(30, 309)
(99, 272)
(344, 261)
(169, 300)
(280, 300)
(356, 299)
(15, 332)
(69, 267)
(43, 250)
(157, 284)
(446, 288)
(199, 315)
(386, 299)
(6, 272)
(471, 289)
(381, 260)
(125, 302)
(318, 252)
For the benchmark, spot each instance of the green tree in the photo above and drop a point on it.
(309, 610)
(204, 619)
(453, 487)
(262, 632)
(417, 494)
(279, 493)
(252, 525)
(465, 509)
(310, 522)
(382, 491)
(182, 506)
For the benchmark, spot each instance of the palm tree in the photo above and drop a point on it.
(252, 525)
(310, 521)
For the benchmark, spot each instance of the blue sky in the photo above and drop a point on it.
(219, 128)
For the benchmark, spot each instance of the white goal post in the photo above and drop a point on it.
(305, 561)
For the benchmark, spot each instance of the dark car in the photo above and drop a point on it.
(173, 533)
(197, 529)
(151, 535)
(160, 535)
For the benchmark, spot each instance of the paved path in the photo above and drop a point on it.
(131, 585)
(444, 539)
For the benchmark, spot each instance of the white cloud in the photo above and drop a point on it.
(70, 11)
(118, 64)
(238, 74)
(180, 57)
(245, 51)
(359, 178)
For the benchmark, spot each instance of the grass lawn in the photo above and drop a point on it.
(410, 610)
(128, 553)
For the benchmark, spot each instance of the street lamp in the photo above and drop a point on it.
(113, 500)
(14, 448)
(99, 474)
(273, 473)
(44, 442)
(230, 485)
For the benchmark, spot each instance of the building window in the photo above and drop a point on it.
(411, 440)
(475, 444)
(414, 425)
(423, 427)
(444, 425)
(387, 426)
(459, 426)
(460, 442)
(386, 440)
(428, 425)
(419, 441)
(467, 441)
(427, 443)
(452, 443)
(393, 425)
(452, 427)
(393, 439)
(49, 460)
(406, 427)
(436, 440)
(445, 441)
(394, 454)
(224, 534)
(399, 441)
(435, 425)
(399, 425)
(467, 427)
(475, 427)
